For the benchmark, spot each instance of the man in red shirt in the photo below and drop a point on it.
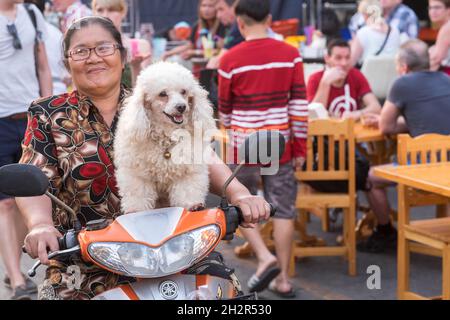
(261, 87)
(340, 88)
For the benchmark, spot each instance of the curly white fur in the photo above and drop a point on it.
(148, 127)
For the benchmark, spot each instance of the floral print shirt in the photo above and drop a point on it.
(69, 140)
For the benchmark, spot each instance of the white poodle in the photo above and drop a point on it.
(163, 132)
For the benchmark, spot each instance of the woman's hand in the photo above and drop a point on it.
(137, 60)
(298, 163)
(187, 54)
(254, 209)
(39, 239)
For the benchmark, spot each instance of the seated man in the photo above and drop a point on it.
(340, 88)
(418, 103)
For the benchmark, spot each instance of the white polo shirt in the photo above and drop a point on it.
(19, 85)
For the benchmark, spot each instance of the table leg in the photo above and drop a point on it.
(403, 244)
(446, 273)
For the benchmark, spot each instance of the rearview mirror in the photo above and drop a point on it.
(262, 147)
(23, 180)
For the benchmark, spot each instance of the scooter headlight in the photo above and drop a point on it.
(138, 260)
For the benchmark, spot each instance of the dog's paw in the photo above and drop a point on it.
(197, 207)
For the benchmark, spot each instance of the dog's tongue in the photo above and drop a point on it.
(178, 118)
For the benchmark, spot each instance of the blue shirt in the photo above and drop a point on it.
(402, 17)
(423, 98)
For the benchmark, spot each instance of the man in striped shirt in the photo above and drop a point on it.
(261, 86)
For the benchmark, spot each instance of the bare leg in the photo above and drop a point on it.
(377, 198)
(11, 241)
(283, 236)
(264, 256)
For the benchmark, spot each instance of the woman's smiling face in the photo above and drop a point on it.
(95, 74)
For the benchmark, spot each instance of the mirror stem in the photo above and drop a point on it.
(65, 206)
(233, 175)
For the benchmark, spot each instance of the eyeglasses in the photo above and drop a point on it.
(103, 50)
(13, 32)
(436, 8)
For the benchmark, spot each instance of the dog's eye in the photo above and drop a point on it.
(163, 94)
(183, 92)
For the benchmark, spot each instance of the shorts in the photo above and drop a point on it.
(280, 189)
(11, 136)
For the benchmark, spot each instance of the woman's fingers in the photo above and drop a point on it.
(246, 212)
(31, 247)
(42, 252)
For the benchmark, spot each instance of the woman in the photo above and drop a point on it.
(376, 37)
(439, 11)
(139, 49)
(70, 137)
(207, 27)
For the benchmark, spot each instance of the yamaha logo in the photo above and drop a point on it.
(168, 290)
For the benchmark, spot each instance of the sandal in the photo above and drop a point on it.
(30, 286)
(285, 295)
(258, 284)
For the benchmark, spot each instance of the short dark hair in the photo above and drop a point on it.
(230, 2)
(341, 43)
(446, 3)
(256, 10)
(82, 23)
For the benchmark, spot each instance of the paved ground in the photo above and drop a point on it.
(326, 277)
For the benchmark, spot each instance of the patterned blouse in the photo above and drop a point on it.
(68, 139)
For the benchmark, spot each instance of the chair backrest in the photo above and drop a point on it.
(330, 134)
(427, 148)
(287, 27)
(380, 72)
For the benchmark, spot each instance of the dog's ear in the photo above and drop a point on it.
(202, 110)
(136, 114)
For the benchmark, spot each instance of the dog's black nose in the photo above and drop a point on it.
(181, 108)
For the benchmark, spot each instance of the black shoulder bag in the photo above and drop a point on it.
(385, 41)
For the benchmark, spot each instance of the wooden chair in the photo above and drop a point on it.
(409, 152)
(341, 132)
(430, 236)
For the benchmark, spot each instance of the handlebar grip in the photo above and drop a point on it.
(62, 243)
(235, 218)
(273, 210)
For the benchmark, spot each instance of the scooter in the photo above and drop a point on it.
(168, 251)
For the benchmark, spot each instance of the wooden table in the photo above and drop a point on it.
(434, 178)
(379, 147)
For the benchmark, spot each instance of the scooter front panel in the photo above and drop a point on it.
(151, 226)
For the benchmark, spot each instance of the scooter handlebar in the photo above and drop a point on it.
(235, 218)
(241, 219)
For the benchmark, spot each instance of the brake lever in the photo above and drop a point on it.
(32, 271)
